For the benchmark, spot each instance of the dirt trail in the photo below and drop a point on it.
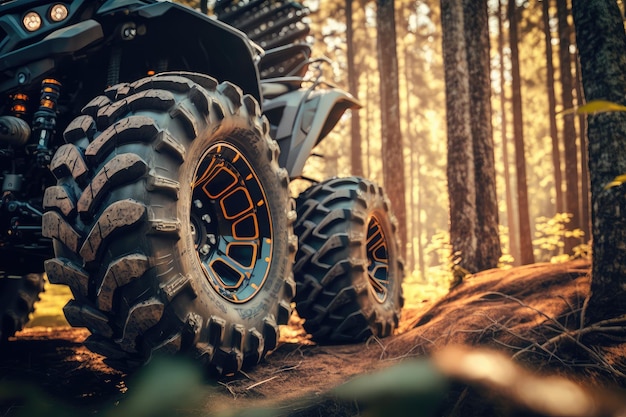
(498, 309)
(55, 362)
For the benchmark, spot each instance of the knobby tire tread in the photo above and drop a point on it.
(333, 294)
(117, 186)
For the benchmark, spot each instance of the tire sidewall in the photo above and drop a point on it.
(335, 294)
(388, 309)
(137, 278)
(251, 313)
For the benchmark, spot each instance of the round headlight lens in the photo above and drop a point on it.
(58, 12)
(31, 21)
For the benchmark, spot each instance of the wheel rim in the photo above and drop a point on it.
(378, 259)
(231, 224)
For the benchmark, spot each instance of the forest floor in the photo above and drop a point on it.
(502, 343)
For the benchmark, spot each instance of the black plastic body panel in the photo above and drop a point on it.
(169, 36)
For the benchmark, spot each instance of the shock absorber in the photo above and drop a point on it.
(44, 122)
(18, 107)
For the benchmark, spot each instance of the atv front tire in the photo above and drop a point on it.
(348, 268)
(172, 224)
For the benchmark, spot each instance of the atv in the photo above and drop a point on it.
(147, 151)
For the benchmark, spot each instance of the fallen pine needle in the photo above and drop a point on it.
(261, 382)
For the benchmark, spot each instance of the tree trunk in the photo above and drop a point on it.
(413, 212)
(392, 148)
(368, 99)
(421, 256)
(356, 159)
(479, 71)
(554, 134)
(601, 44)
(572, 202)
(416, 257)
(510, 209)
(460, 171)
(585, 214)
(526, 246)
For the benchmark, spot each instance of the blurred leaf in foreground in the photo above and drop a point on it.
(26, 400)
(163, 386)
(412, 388)
(617, 181)
(595, 106)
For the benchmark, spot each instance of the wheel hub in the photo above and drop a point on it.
(231, 223)
(378, 259)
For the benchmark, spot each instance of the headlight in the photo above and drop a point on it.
(58, 12)
(31, 21)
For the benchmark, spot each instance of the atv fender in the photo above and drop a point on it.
(304, 125)
(231, 54)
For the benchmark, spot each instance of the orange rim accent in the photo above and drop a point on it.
(377, 251)
(231, 223)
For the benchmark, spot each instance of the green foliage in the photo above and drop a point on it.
(601, 106)
(411, 389)
(506, 260)
(596, 106)
(26, 400)
(439, 251)
(550, 236)
(160, 389)
(447, 269)
(169, 387)
(166, 385)
(617, 181)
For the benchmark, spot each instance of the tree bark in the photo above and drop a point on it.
(413, 212)
(585, 214)
(392, 147)
(460, 171)
(421, 256)
(356, 159)
(572, 201)
(554, 134)
(479, 71)
(601, 43)
(368, 123)
(510, 209)
(526, 246)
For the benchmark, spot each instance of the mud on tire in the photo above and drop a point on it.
(348, 269)
(172, 224)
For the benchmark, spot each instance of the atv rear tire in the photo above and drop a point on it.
(348, 269)
(18, 295)
(172, 224)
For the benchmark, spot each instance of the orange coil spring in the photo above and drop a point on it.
(18, 107)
